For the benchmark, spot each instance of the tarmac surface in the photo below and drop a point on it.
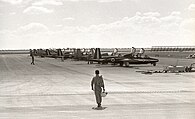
(52, 89)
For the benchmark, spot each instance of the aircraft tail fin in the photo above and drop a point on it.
(142, 51)
(79, 53)
(97, 54)
(133, 50)
(115, 51)
(48, 52)
(59, 52)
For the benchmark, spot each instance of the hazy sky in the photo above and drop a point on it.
(96, 23)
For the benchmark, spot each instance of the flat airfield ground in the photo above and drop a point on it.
(61, 90)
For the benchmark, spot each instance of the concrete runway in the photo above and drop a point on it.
(61, 90)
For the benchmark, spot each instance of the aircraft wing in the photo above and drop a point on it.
(127, 60)
(139, 60)
(98, 60)
(118, 60)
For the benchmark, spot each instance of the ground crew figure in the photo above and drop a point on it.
(97, 84)
(33, 58)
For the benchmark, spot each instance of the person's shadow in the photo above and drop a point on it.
(99, 108)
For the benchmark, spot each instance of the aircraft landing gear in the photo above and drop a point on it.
(127, 64)
(104, 62)
(121, 64)
(154, 64)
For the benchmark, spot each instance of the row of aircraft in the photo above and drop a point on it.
(123, 59)
(95, 55)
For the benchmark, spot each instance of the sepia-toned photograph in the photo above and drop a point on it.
(97, 59)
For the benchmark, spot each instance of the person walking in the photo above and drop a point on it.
(33, 58)
(97, 84)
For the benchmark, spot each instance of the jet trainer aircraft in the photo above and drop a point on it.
(52, 53)
(83, 54)
(125, 59)
(58, 53)
(39, 52)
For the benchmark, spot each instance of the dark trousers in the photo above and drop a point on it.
(98, 97)
(33, 61)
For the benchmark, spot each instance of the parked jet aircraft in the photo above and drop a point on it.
(52, 53)
(83, 54)
(191, 56)
(58, 53)
(39, 52)
(125, 59)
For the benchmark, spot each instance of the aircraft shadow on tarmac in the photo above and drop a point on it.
(132, 66)
(80, 64)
